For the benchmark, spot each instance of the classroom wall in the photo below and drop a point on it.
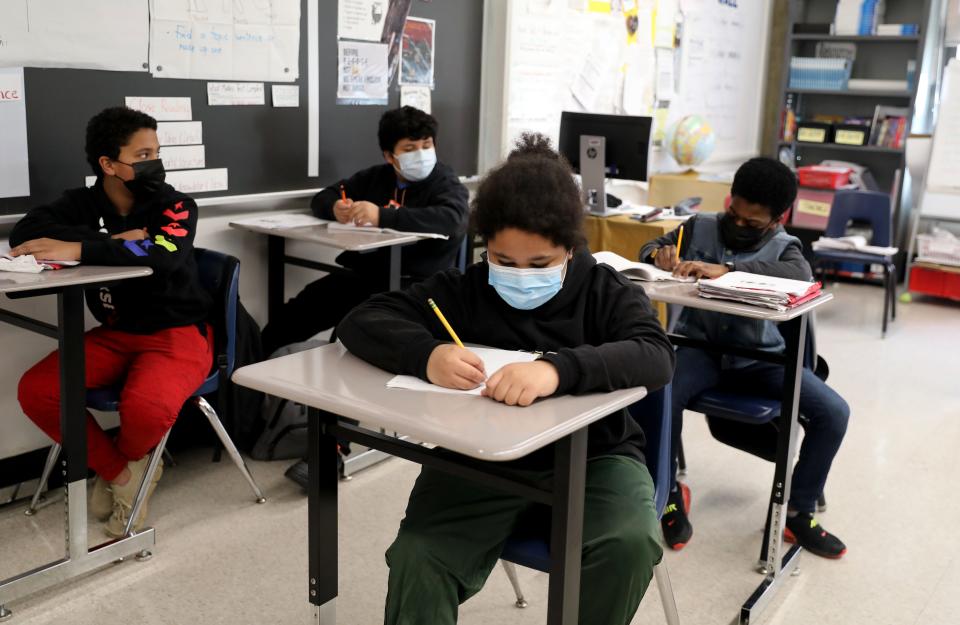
(25, 348)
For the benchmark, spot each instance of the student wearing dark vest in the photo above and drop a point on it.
(410, 192)
(748, 237)
(153, 338)
(538, 289)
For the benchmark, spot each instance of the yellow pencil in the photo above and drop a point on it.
(679, 243)
(444, 321)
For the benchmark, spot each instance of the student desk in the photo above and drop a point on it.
(68, 285)
(625, 236)
(775, 566)
(319, 234)
(335, 384)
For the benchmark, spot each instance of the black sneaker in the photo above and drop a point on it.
(676, 526)
(299, 472)
(805, 531)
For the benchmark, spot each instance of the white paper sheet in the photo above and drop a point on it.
(235, 94)
(183, 157)
(180, 133)
(198, 180)
(336, 226)
(162, 109)
(280, 222)
(493, 361)
(223, 40)
(417, 96)
(14, 160)
(362, 73)
(361, 19)
(106, 34)
(285, 96)
(665, 73)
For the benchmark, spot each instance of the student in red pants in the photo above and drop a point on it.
(154, 339)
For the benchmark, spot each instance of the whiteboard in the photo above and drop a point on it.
(80, 34)
(558, 57)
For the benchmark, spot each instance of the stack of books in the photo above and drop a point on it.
(814, 73)
(766, 291)
(893, 30)
(889, 126)
(858, 17)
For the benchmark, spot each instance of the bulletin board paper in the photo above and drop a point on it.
(362, 76)
(80, 34)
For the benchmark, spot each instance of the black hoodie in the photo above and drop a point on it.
(599, 331)
(436, 204)
(169, 298)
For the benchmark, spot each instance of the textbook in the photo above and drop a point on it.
(779, 294)
(638, 271)
(853, 243)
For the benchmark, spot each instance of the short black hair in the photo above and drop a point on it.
(111, 129)
(533, 191)
(405, 122)
(767, 182)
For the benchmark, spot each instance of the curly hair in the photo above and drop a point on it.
(111, 129)
(405, 122)
(766, 182)
(533, 191)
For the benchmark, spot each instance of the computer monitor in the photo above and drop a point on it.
(627, 141)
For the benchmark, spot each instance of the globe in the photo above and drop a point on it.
(690, 140)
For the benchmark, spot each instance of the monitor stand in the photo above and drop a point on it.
(593, 174)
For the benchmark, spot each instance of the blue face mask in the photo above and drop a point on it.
(526, 289)
(417, 165)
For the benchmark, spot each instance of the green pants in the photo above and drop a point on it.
(454, 531)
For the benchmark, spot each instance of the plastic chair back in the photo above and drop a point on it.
(869, 206)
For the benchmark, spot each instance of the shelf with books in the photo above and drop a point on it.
(878, 149)
(872, 93)
(864, 38)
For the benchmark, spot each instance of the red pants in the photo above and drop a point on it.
(159, 372)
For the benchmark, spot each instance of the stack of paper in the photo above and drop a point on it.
(853, 243)
(493, 361)
(749, 288)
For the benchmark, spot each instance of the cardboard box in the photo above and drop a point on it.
(668, 189)
(812, 208)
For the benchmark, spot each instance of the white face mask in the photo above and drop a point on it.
(417, 165)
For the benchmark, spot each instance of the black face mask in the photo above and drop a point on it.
(148, 177)
(739, 237)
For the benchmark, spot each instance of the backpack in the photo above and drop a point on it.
(284, 422)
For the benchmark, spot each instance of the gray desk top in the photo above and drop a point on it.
(348, 241)
(332, 379)
(11, 282)
(685, 294)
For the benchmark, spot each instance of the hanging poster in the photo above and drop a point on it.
(362, 76)
(361, 19)
(418, 46)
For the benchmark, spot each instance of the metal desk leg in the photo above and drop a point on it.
(322, 510)
(78, 560)
(566, 529)
(395, 267)
(778, 566)
(276, 250)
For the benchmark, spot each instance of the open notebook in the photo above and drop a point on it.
(493, 361)
(638, 271)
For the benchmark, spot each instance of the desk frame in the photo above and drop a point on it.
(79, 559)
(565, 498)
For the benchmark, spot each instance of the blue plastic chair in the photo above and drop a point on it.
(219, 274)
(530, 547)
(719, 405)
(864, 206)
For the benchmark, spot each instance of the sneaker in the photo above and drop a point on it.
(805, 531)
(101, 500)
(123, 497)
(675, 524)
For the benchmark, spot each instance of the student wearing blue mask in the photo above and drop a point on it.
(748, 237)
(539, 289)
(412, 192)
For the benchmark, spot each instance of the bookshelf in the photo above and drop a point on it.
(880, 57)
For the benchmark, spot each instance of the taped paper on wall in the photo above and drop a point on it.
(183, 157)
(416, 96)
(286, 96)
(225, 40)
(180, 133)
(361, 19)
(416, 67)
(106, 34)
(14, 162)
(235, 94)
(162, 109)
(362, 73)
(198, 180)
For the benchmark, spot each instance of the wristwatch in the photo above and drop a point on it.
(729, 265)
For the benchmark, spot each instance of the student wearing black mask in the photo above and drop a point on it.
(748, 237)
(153, 338)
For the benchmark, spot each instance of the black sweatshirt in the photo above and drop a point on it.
(171, 297)
(599, 331)
(437, 204)
(791, 264)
